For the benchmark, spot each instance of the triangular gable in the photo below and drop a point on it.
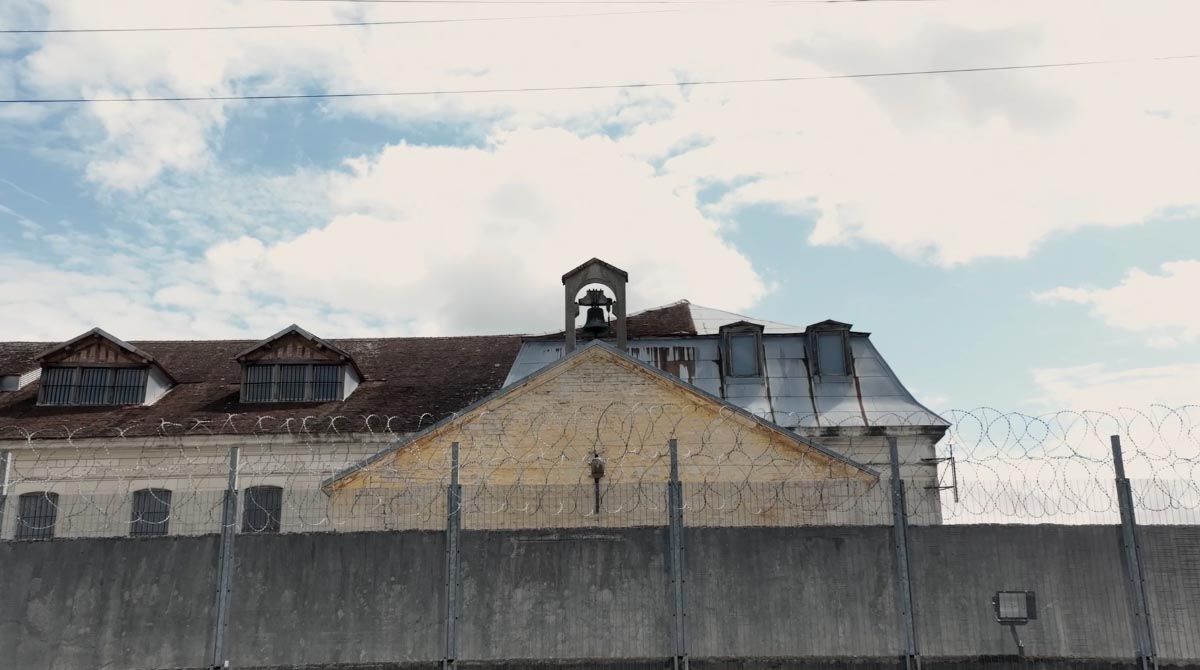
(544, 428)
(97, 347)
(296, 343)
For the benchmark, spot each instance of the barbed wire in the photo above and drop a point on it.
(595, 465)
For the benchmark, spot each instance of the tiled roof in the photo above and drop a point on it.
(17, 358)
(408, 382)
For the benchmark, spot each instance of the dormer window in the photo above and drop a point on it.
(98, 369)
(294, 365)
(829, 349)
(92, 386)
(292, 382)
(742, 344)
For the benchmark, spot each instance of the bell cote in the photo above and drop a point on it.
(609, 276)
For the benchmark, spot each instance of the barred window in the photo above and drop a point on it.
(151, 512)
(92, 386)
(292, 382)
(36, 515)
(262, 509)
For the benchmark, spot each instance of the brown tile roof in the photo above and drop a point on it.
(17, 358)
(408, 382)
(666, 321)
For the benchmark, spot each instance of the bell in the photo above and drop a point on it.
(595, 325)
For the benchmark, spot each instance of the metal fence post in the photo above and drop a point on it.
(1143, 630)
(5, 467)
(453, 563)
(904, 598)
(229, 516)
(675, 549)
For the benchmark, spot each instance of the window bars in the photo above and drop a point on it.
(151, 513)
(37, 513)
(292, 382)
(262, 510)
(92, 386)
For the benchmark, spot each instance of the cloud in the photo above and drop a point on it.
(419, 240)
(1160, 306)
(463, 240)
(944, 169)
(1098, 387)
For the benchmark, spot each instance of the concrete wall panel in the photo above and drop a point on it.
(1171, 563)
(338, 598)
(1083, 605)
(565, 594)
(791, 592)
(106, 604)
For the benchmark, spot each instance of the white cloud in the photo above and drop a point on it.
(1100, 387)
(1162, 306)
(459, 240)
(946, 169)
(421, 240)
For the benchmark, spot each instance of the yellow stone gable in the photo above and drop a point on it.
(546, 430)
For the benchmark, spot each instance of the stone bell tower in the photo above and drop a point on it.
(611, 277)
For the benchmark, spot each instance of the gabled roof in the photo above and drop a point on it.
(297, 330)
(596, 261)
(592, 348)
(145, 356)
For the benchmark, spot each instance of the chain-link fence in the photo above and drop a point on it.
(603, 466)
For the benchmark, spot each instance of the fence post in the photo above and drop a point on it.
(453, 563)
(1143, 631)
(229, 517)
(904, 597)
(5, 467)
(675, 549)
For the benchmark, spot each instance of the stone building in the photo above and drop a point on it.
(783, 424)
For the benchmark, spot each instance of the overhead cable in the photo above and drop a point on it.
(590, 87)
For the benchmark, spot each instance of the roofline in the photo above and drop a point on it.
(40, 359)
(883, 361)
(623, 274)
(294, 328)
(671, 379)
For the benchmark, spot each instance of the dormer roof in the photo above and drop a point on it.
(830, 324)
(76, 350)
(294, 331)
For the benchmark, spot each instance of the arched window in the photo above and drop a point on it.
(262, 509)
(37, 513)
(151, 512)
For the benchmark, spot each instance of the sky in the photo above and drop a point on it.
(1024, 239)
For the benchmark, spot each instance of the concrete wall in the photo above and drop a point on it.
(338, 598)
(1076, 571)
(112, 604)
(791, 592)
(1171, 557)
(565, 594)
(808, 597)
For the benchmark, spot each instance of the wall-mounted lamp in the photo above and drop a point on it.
(597, 467)
(1015, 608)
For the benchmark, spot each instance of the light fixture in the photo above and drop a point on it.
(1015, 608)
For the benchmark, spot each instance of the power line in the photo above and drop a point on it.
(593, 87)
(613, 2)
(42, 31)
